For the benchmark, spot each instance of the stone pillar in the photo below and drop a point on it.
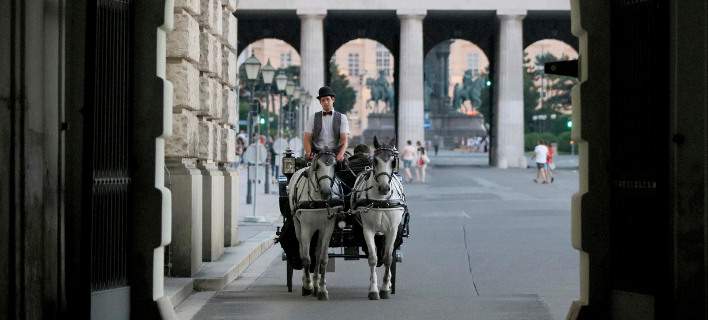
(410, 105)
(212, 211)
(508, 150)
(312, 69)
(185, 183)
(232, 180)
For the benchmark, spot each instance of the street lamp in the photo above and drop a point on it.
(281, 82)
(268, 72)
(253, 67)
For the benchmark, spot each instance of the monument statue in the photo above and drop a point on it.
(381, 91)
(470, 90)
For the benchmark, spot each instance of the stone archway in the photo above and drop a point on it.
(368, 67)
(457, 96)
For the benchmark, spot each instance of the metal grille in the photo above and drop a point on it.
(108, 142)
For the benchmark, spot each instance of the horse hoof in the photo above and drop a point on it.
(306, 292)
(373, 296)
(322, 295)
(385, 294)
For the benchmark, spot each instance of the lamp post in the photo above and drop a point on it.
(268, 73)
(289, 91)
(296, 96)
(252, 66)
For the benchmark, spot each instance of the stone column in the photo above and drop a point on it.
(312, 69)
(508, 148)
(410, 105)
(212, 211)
(185, 183)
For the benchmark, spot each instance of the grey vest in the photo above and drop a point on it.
(317, 127)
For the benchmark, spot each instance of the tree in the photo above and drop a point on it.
(346, 96)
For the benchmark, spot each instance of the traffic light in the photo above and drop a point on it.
(569, 124)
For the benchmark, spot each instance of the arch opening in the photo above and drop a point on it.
(278, 112)
(457, 97)
(362, 73)
(547, 98)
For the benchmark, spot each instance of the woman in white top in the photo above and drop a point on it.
(408, 155)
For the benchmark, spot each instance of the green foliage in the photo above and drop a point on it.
(346, 96)
(531, 139)
(564, 142)
(558, 94)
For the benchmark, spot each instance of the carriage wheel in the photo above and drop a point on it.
(290, 277)
(393, 273)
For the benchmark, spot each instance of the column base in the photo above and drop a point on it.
(232, 179)
(212, 211)
(185, 183)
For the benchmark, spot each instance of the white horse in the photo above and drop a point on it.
(379, 199)
(315, 197)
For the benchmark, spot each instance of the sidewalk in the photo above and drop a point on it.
(188, 295)
(449, 158)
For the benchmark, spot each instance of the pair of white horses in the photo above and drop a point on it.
(376, 185)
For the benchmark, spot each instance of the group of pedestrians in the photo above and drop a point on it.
(417, 154)
(543, 156)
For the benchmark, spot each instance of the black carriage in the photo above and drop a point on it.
(347, 235)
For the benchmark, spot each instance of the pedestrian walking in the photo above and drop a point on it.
(550, 165)
(418, 149)
(540, 157)
(408, 154)
(422, 165)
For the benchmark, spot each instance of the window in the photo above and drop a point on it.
(353, 64)
(473, 63)
(286, 59)
(383, 59)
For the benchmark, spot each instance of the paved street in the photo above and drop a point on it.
(485, 244)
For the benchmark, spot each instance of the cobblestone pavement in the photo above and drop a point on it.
(485, 244)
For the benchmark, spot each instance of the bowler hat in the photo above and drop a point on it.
(326, 91)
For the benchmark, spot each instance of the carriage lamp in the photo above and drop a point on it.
(288, 163)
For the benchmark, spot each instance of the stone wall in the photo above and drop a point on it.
(202, 66)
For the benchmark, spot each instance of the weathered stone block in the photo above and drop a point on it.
(229, 67)
(232, 5)
(207, 57)
(216, 51)
(228, 28)
(218, 19)
(235, 115)
(185, 81)
(229, 106)
(192, 6)
(205, 149)
(183, 41)
(206, 96)
(221, 143)
(230, 145)
(211, 15)
(218, 99)
(184, 139)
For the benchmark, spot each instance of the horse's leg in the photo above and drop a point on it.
(316, 273)
(371, 246)
(323, 256)
(390, 238)
(305, 237)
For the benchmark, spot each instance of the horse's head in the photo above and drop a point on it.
(384, 165)
(322, 171)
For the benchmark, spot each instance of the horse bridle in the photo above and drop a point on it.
(395, 160)
(317, 177)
